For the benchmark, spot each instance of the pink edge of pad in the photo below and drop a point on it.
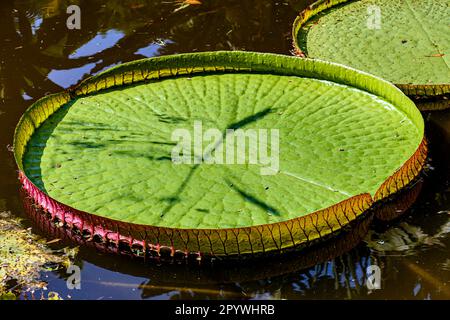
(73, 217)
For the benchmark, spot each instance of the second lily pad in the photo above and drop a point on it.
(404, 41)
(105, 150)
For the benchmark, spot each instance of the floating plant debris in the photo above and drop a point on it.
(405, 42)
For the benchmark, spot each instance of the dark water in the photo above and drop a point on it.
(39, 55)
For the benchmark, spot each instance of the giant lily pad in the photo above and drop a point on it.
(23, 256)
(99, 157)
(404, 41)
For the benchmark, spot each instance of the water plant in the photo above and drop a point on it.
(98, 157)
(23, 257)
(405, 42)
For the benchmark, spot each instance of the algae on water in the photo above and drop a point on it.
(23, 256)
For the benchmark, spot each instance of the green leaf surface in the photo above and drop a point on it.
(407, 44)
(109, 152)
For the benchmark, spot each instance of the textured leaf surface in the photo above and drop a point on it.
(410, 47)
(109, 153)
